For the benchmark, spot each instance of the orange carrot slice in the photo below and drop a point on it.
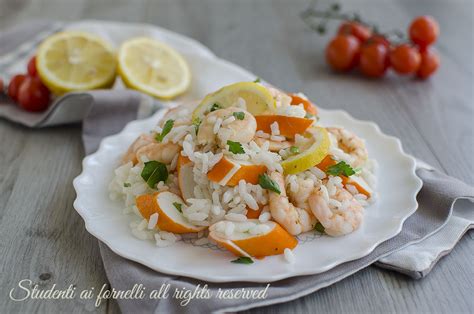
(308, 105)
(230, 172)
(289, 126)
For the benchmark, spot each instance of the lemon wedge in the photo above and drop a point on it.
(153, 67)
(258, 99)
(311, 156)
(70, 61)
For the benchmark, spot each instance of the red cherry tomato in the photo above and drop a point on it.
(32, 67)
(405, 59)
(14, 86)
(33, 95)
(429, 63)
(373, 60)
(342, 53)
(379, 39)
(356, 29)
(424, 31)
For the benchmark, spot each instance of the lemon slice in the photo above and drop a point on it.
(153, 68)
(69, 61)
(310, 156)
(257, 98)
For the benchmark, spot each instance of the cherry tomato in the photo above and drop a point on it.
(373, 60)
(378, 39)
(424, 31)
(429, 63)
(33, 95)
(14, 86)
(342, 53)
(32, 67)
(356, 29)
(405, 59)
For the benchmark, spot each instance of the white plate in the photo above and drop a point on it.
(397, 189)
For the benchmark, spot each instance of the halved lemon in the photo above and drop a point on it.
(70, 61)
(258, 99)
(310, 156)
(271, 240)
(153, 67)
(170, 217)
(229, 172)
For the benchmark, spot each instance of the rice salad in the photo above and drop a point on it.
(247, 168)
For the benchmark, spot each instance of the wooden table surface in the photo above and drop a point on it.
(43, 238)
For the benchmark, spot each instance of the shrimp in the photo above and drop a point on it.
(337, 221)
(294, 219)
(162, 152)
(141, 141)
(300, 195)
(351, 144)
(234, 129)
(274, 145)
(145, 145)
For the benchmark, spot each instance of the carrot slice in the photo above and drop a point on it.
(308, 105)
(289, 126)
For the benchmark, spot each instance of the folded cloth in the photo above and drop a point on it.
(426, 236)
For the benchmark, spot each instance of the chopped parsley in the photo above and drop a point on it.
(127, 185)
(166, 129)
(294, 150)
(267, 183)
(235, 147)
(257, 80)
(178, 206)
(340, 168)
(308, 116)
(239, 115)
(154, 172)
(319, 227)
(243, 260)
(214, 107)
(197, 123)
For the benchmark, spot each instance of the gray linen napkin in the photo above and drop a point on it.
(427, 235)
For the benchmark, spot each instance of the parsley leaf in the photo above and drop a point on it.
(127, 185)
(197, 124)
(266, 182)
(309, 116)
(319, 227)
(154, 172)
(214, 107)
(294, 150)
(239, 115)
(178, 206)
(243, 260)
(166, 129)
(235, 147)
(257, 80)
(340, 168)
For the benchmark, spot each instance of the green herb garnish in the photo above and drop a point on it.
(178, 206)
(235, 147)
(243, 260)
(267, 183)
(340, 168)
(239, 115)
(308, 116)
(154, 172)
(197, 123)
(127, 185)
(166, 129)
(214, 107)
(319, 227)
(257, 80)
(294, 150)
